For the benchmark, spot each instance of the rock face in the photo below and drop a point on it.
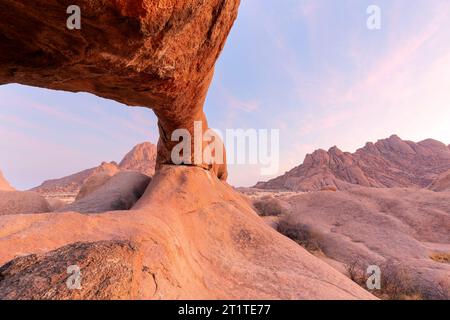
(158, 54)
(93, 183)
(110, 271)
(141, 158)
(119, 192)
(22, 202)
(387, 163)
(186, 232)
(4, 185)
(99, 177)
(442, 183)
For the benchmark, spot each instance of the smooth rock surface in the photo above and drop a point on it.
(119, 192)
(196, 238)
(95, 181)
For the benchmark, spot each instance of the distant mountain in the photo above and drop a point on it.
(4, 185)
(73, 182)
(388, 163)
(141, 158)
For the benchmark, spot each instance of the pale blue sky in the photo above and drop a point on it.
(310, 68)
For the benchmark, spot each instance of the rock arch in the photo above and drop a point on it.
(158, 54)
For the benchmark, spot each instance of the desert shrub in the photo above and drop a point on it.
(303, 234)
(396, 280)
(435, 290)
(269, 206)
(442, 257)
(356, 271)
(442, 291)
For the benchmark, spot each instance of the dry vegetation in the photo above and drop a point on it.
(269, 206)
(398, 282)
(303, 234)
(442, 257)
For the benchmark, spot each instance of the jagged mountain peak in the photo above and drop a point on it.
(390, 162)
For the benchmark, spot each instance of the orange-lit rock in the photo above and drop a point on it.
(190, 236)
(158, 54)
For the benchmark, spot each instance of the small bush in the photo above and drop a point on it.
(355, 271)
(269, 207)
(396, 280)
(303, 234)
(435, 290)
(442, 257)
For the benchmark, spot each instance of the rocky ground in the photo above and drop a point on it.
(406, 229)
(189, 236)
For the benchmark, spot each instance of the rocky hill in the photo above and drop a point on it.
(141, 158)
(388, 163)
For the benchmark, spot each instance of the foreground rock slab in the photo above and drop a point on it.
(190, 236)
(108, 273)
